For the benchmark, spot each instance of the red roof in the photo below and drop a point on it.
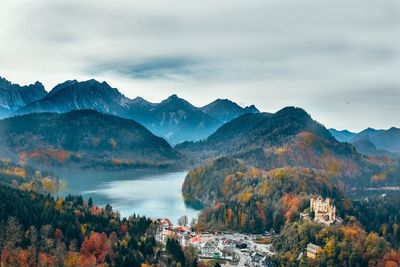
(196, 239)
(166, 221)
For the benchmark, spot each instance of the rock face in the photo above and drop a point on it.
(74, 95)
(14, 96)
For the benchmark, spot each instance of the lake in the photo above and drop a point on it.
(154, 194)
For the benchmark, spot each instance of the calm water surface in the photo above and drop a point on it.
(153, 194)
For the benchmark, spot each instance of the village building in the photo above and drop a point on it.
(259, 260)
(165, 223)
(324, 211)
(164, 235)
(208, 249)
(312, 251)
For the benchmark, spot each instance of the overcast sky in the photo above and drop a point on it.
(338, 59)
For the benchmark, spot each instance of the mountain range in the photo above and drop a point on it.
(174, 118)
(371, 141)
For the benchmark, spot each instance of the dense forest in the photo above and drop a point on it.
(83, 138)
(38, 229)
(262, 177)
(342, 245)
(253, 200)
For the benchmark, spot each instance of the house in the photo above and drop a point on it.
(258, 260)
(165, 223)
(163, 236)
(208, 249)
(324, 211)
(313, 250)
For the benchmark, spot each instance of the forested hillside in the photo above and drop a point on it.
(84, 138)
(38, 230)
(260, 174)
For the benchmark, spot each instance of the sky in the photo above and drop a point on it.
(337, 59)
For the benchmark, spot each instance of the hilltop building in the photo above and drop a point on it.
(324, 211)
(313, 250)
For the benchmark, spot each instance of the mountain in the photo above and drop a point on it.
(260, 130)
(225, 110)
(14, 96)
(261, 167)
(174, 118)
(74, 95)
(177, 120)
(84, 138)
(366, 147)
(342, 136)
(371, 141)
(383, 139)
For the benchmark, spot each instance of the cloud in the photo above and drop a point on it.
(159, 68)
(314, 54)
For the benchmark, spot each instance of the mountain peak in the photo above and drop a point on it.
(294, 112)
(139, 99)
(226, 110)
(14, 96)
(176, 99)
(173, 97)
(251, 109)
(73, 94)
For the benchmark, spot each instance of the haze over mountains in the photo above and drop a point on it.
(371, 141)
(174, 118)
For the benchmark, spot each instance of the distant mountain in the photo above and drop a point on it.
(74, 95)
(84, 138)
(225, 110)
(177, 120)
(383, 139)
(371, 141)
(139, 110)
(366, 147)
(174, 118)
(342, 136)
(14, 96)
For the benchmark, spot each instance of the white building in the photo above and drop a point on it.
(324, 211)
(209, 250)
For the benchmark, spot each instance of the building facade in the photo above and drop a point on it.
(324, 211)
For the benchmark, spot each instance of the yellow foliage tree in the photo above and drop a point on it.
(49, 185)
(244, 197)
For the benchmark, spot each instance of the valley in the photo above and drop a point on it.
(85, 148)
